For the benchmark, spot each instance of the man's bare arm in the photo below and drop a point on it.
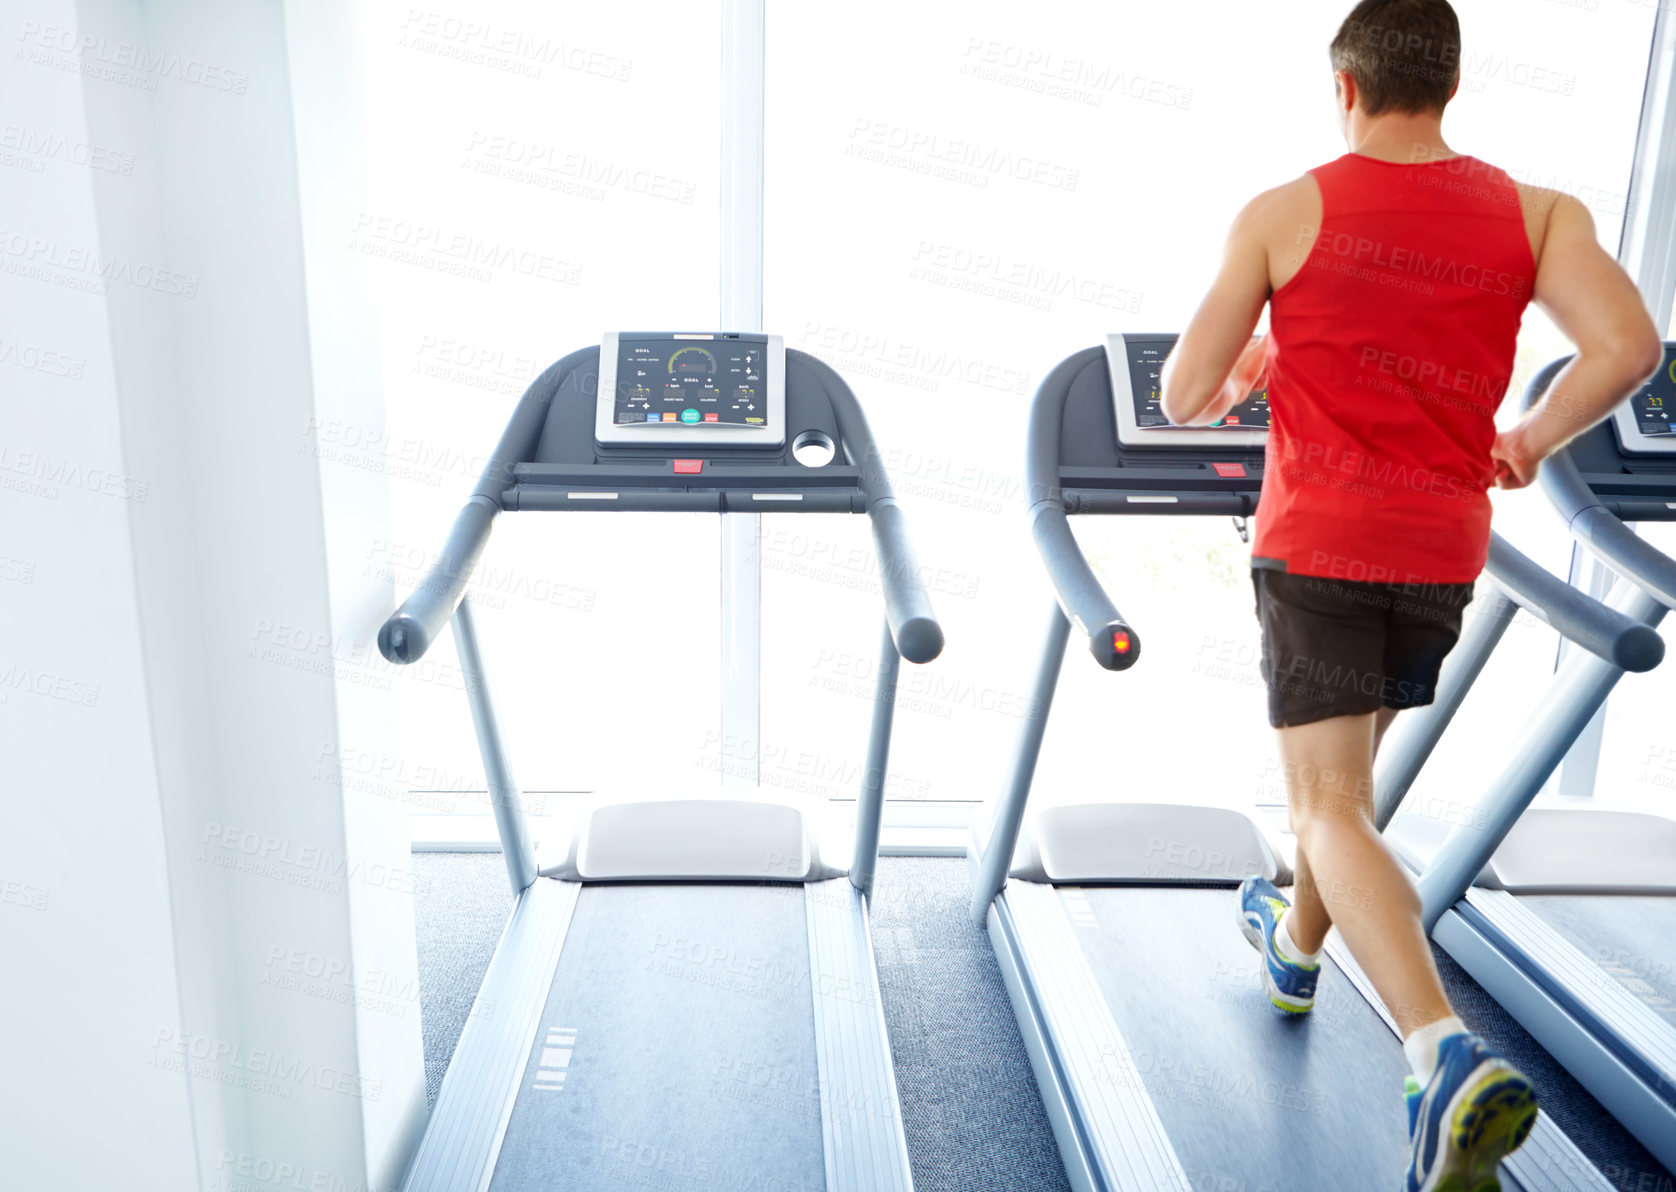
(1200, 384)
(1596, 305)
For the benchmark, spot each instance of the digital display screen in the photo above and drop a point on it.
(1146, 370)
(710, 382)
(1652, 403)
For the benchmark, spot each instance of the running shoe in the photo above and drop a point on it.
(1476, 1109)
(1290, 986)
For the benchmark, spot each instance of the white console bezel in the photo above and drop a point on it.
(772, 433)
(1131, 434)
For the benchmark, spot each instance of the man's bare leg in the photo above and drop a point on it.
(1381, 721)
(1310, 918)
(1346, 877)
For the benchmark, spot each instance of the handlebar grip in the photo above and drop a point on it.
(1623, 550)
(913, 624)
(412, 628)
(1603, 631)
(1113, 642)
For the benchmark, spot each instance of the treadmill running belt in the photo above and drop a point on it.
(1631, 937)
(1251, 1098)
(676, 1049)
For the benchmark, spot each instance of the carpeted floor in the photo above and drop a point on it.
(974, 1120)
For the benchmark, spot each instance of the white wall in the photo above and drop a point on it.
(212, 931)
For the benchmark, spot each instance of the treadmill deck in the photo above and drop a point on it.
(673, 1035)
(681, 1047)
(1251, 1097)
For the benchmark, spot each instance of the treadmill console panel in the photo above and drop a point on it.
(1136, 364)
(1643, 423)
(691, 390)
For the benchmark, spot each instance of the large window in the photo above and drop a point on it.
(956, 199)
(540, 175)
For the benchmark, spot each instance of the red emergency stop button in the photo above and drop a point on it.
(1230, 471)
(688, 467)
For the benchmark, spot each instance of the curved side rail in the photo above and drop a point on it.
(1113, 642)
(1595, 526)
(412, 628)
(1625, 551)
(416, 624)
(523, 431)
(1604, 632)
(913, 622)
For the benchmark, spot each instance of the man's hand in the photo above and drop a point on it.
(1248, 371)
(1516, 463)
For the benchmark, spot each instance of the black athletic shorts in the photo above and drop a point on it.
(1336, 648)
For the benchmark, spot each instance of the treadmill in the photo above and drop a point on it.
(1172, 1076)
(1571, 922)
(685, 994)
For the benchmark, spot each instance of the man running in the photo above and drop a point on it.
(1396, 278)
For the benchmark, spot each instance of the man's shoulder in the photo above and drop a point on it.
(1538, 204)
(1302, 188)
(1552, 216)
(1540, 199)
(1284, 206)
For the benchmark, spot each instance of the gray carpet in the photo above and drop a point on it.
(461, 909)
(974, 1120)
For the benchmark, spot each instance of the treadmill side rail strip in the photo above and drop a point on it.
(1638, 1108)
(861, 1120)
(1057, 1098)
(1548, 1162)
(462, 1141)
(1114, 1110)
(1596, 991)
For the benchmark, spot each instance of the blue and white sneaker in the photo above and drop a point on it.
(1476, 1109)
(1290, 986)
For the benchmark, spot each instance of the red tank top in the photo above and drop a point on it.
(1389, 352)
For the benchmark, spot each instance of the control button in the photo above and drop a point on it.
(688, 467)
(668, 416)
(712, 417)
(753, 421)
(653, 418)
(1230, 471)
(689, 415)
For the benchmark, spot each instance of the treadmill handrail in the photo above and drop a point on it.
(1077, 588)
(411, 629)
(1590, 522)
(1603, 631)
(913, 623)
